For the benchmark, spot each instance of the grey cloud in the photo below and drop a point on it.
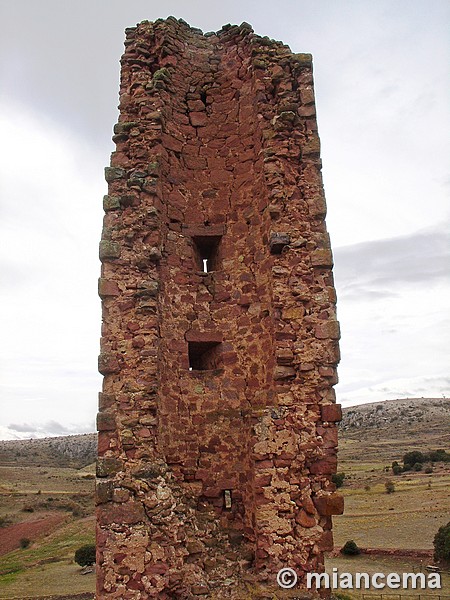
(53, 427)
(23, 427)
(375, 269)
(49, 428)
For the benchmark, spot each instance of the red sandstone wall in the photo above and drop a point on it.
(218, 473)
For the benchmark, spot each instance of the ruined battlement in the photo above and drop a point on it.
(217, 419)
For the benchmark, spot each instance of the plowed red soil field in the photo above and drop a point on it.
(10, 536)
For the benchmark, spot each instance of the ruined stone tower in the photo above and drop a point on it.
(217, 420)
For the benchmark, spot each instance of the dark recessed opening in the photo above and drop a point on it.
(207, 252)
(204, 356)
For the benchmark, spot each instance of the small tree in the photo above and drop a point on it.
(396, 468)
(85, 555)
(338, 479)
(441, 543)
(389, 487)
(411, 458)
(350, 548)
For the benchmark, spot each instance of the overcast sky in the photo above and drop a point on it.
(382, 92)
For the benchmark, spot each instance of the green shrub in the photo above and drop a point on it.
(396, 469)
(441, 543)
(24, 543)
(439, 456)
(5, 521)
(389, 486)
(428, 470)
(338, 479)
(418, 466)
(411, 458)
(85, 555)
(350, 548)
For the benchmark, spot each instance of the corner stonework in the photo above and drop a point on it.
(217, 433)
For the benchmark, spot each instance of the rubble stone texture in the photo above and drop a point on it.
(217, 420)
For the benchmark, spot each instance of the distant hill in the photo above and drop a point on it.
(66, 451)
(395, 413)
(394, 427)
(409, 423)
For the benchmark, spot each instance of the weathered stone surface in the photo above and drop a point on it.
(284, 372)
(331, 412)
(107, 288)
(326, 541)
(278, 241)
(326, 466)
(329, 504)
(322, 257)
(113, 173)
(217, 423)
(111, 203)
(108, 363)
(109, 250)
(103, 491)
(128, 513)
(328, 330)
(108, 466)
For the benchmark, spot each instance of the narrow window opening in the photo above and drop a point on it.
(204, 356)
(206, 247)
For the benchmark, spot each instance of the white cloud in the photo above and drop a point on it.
(50, 319)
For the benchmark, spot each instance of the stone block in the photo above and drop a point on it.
(282, 372)
(114, 173)
(294, 313)
(107, 466)
(198, 119)
(147, 289)
(103, 491)
(329, 504)
(327, 330)
(331, 412)
(322, 257)
(107, 287)
(325, 466)
(105, 401)
(128, 513)
(317, 208)
(204, 337)
(109, 250)
(111, 203)
(325, 543)
(304, 519)
(108, 364)
(106, 422)
(301, 60)
(285, 356)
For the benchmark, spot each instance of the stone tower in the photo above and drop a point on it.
(217, 419)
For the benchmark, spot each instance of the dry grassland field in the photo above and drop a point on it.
(46, 496)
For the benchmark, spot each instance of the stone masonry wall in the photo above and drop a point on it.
(217, 419)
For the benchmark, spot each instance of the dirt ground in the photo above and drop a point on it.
(11, 535)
